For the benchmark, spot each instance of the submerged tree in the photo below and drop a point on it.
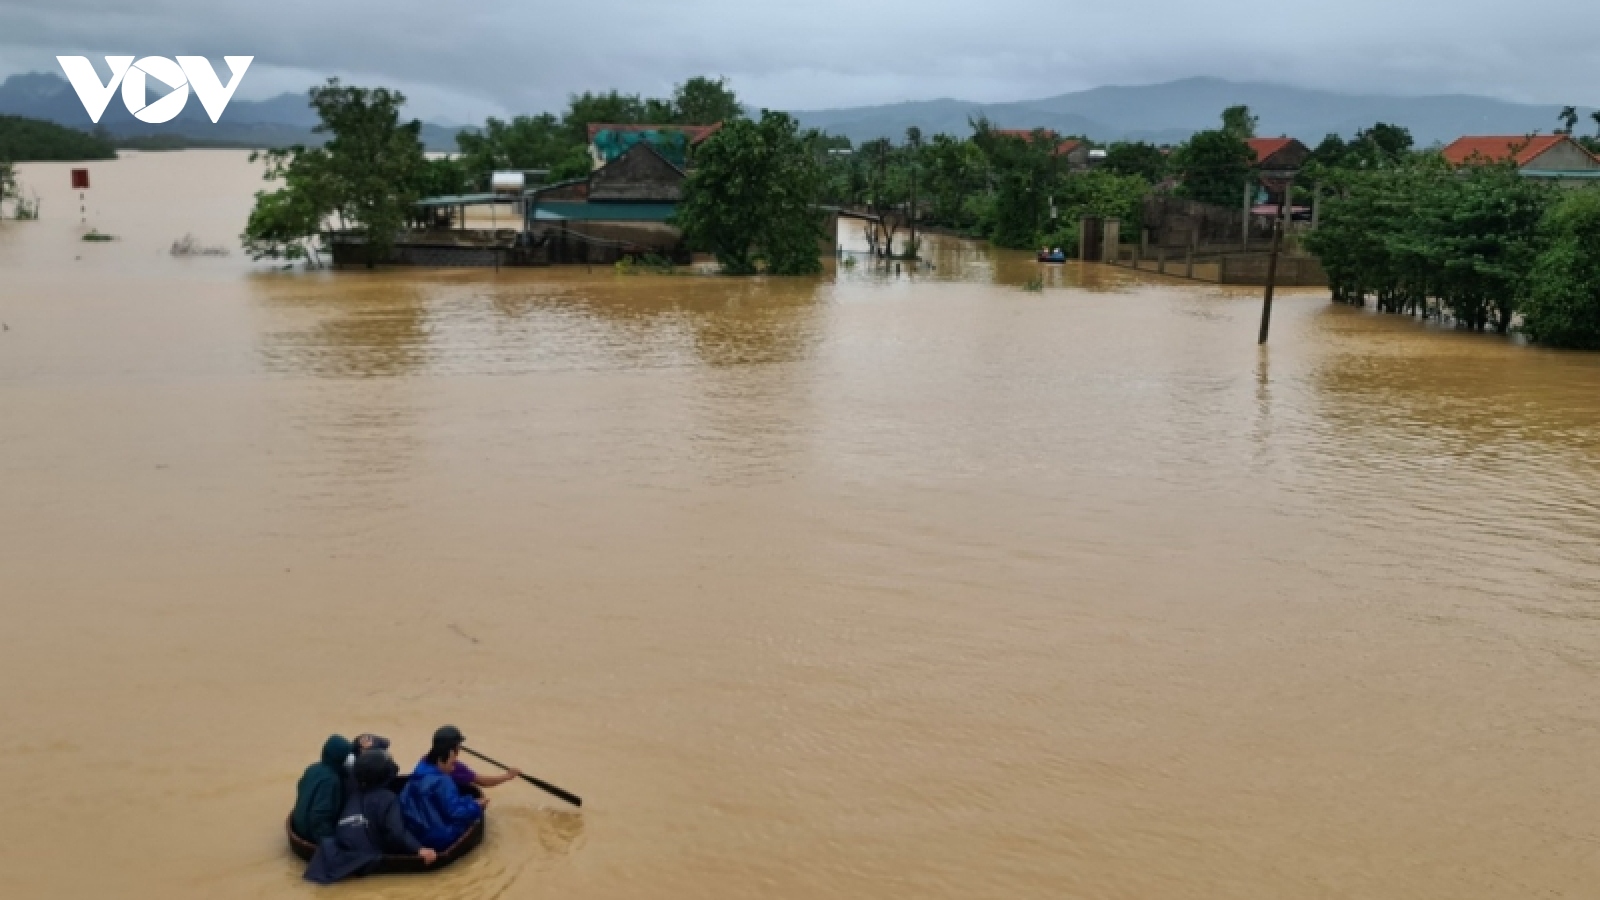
(888, 193)
(284, 223)
(1563, 307)
(8, 180)
(1025, 170)
(751, 198)
(956, 174)
(1426, 238)
(367, 174)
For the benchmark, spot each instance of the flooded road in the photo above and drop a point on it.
(858, 586)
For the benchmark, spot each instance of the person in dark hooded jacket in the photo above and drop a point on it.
(320, 793)
(370, 826)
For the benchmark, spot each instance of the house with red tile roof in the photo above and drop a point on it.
(1279, 152)
(1554, 156)
(1076, 151)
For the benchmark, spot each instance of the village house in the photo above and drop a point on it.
(1075, 151)
(622, 208)
(1553, 156)
(1275, 154)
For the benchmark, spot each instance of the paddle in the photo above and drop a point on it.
(568, 796)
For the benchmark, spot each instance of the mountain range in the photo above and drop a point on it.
(275, 122)
(1168, 113)
(1160, 113)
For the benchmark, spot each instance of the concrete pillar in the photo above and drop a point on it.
(1249, 194)
(1111, 242)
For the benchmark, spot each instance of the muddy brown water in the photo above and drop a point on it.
(856, 586)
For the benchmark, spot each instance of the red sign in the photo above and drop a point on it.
(80, 179)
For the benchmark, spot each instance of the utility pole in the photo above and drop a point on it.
(1279, 227)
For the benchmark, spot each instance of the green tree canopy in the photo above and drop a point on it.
(1423, 237)
(25, 140)
(560, 145)
(704, 101)
(1381, 145)
(526, 142)
(1136, 158)
(751, 198)
(367, 174)
(1237, 121)
(610, 108)
(1563, 306)
(1024, 170)
(1214, 166)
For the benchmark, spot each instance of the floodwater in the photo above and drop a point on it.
(857, 586)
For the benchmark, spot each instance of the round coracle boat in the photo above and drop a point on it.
(403, 864)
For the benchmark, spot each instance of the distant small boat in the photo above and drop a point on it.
(392, 864)
(1053, 257)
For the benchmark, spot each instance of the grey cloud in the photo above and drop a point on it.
(461, 61)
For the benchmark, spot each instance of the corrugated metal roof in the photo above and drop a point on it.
(468, 199)
(557, 211)
(1562, 173)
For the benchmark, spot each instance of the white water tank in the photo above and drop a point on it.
(507, 182)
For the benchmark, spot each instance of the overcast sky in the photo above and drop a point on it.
(461, 61)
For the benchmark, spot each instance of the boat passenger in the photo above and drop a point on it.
(364, 742)
(462, 774)
(320, 793)
(370, 826)
(435, 809)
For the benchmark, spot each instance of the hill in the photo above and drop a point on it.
(276, 122)
(1160, 113)
(1170, 112)
(28, 140)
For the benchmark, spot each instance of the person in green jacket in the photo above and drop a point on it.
(320, 794)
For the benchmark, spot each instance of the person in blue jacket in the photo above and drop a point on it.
(435, 810)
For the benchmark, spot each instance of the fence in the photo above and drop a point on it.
(1225, 268)
(1176, 223)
